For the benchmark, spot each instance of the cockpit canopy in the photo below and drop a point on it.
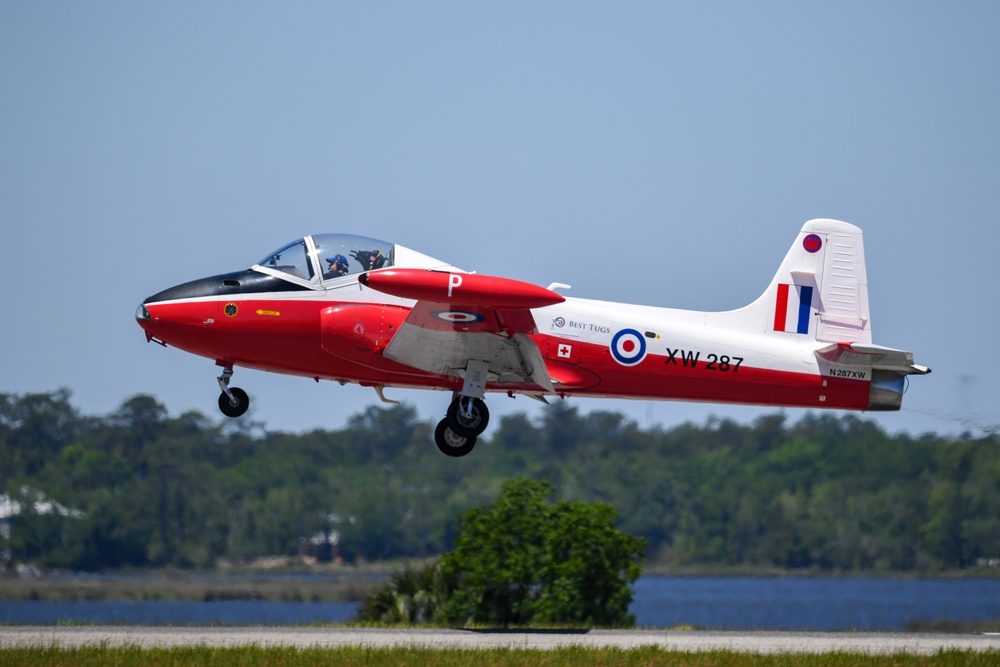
(318, 262)
(328, 256)
(320, 258)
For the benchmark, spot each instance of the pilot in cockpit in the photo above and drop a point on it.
(369, 259)
(338, 266)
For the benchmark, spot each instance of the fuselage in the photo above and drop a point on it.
(592, 348)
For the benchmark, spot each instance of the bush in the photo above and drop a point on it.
(522, 561)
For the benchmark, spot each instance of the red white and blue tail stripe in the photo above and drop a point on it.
(793, 308)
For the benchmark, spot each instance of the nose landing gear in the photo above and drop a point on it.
(233, 401)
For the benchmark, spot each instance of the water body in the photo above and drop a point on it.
(806, 603)
(780, 603)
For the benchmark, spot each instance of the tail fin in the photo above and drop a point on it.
(821, 293)
(820, 290)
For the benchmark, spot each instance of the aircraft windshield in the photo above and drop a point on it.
(346, 254)
(292, 259)
(329, 256)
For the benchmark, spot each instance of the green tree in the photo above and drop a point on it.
(825, 493)
(35, 427)
(522, 560)
(591, 565)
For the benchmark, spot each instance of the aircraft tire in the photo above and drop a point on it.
(242, 403)
(450, 443)
(468, 427)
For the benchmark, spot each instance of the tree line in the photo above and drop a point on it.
(141, 488)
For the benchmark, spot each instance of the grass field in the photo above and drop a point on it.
(393, 657)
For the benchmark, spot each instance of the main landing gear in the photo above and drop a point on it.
(467, 416)
(466, 419)
(455, 435)
(233, 401)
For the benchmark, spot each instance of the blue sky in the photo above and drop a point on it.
(655, 153)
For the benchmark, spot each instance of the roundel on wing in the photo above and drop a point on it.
(812, 243)
(457, 316)
(628, 347)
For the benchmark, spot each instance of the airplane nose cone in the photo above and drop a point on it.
(141, 314)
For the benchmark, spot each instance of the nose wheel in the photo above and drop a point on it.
(235, 404)
(233, 401)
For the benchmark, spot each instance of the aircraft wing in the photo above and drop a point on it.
(876, 356)
(460, 318)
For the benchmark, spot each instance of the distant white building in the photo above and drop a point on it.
(10, 507)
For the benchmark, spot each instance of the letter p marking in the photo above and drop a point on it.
(454, 280)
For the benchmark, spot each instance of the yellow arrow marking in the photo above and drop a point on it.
(271, 313)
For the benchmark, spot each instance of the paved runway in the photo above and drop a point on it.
(753, 642)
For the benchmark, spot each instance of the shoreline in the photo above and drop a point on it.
(202, 587)
(295, 580)
(769, 572)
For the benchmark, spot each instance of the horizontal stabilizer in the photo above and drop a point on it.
(875, 356)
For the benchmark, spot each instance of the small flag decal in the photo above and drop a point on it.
(792, 308)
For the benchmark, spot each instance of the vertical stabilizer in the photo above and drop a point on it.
(821, 289)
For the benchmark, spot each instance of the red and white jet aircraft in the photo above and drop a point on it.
(355, 309)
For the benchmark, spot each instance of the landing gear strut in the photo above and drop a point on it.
(467, 415)
(233, 401)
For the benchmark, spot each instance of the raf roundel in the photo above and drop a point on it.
(628, 347)
(457, 316)
(812, 243)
